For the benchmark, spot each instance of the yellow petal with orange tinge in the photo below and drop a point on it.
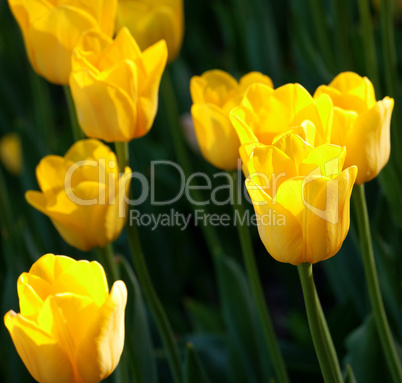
(279, 230)
(369, 142)
(105, 338)
(212, 127)
(44, 358)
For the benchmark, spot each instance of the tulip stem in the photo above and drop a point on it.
(155, 305)
(122, 155)
(255, 282)
(78, 134)
(172, 113)
(322, 340)
(373, 285)
(106, 254)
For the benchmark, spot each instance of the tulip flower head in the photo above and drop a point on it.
(265, 114)
(301, 198)
(152, 20)
(115, 86)
(360, 123)
(70, 329)
(51, 29)
(83, 194)
(214, 95)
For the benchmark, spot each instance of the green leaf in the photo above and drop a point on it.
(194, 371)
(365, 354)
(239, 314)
(138, 338)
(205, 319)
(350, 376)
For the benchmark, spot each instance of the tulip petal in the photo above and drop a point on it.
(325, 160)
(49, 267)
(306, 131)
(67, 318)
(104, 110)
(327, 214)
(294, 147)
(268, 167)
(54, 37)
(32, 292)
(105, 338)
(47, 174)
(254, 78)
(320, 113)
(85, 279)
(279, 230)
(44, 358)
(124, 47)
(212, 127)
(244, 132)
(349, 91)
(154, 61)
(369, 142)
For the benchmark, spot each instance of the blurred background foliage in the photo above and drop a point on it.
(308, 42)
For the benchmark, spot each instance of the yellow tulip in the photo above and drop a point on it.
(51, 29)
(301, 198)
(83, 194)
(70, 329)
(264, 114)
(360, 123)
(214, 95)
(115, 86)
(11, 153)
(152, 20)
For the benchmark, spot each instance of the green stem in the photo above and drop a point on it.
(256, 288)
(373, 285)
(172, 113)
(321, 338)
(368, 43)
(78, 134)
(106, 254)
(156, 307)
(122, 155)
